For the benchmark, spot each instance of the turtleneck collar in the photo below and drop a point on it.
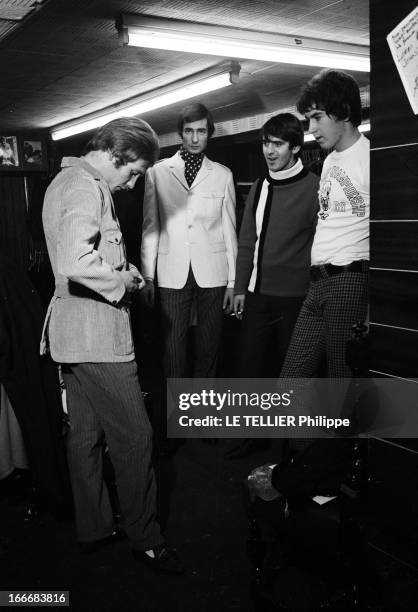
(282, 175)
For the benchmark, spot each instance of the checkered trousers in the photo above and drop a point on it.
(333, 305)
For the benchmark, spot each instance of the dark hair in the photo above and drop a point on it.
(285, 126)
(128, 139)
(195, 112)
(335, 92)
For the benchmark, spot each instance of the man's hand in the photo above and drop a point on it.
(148, 293)
(132, 280)
(228, 300)
(239, 303)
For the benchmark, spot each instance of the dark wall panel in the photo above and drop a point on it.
(395, 298)
(394, 245)
(394, 351)
(394, 199)
(393, 295)
(393, 498)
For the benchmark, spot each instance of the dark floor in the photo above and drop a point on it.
(207, 523)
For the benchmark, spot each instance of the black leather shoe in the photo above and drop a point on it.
(246, 448)
(87, 548)
(165, 560)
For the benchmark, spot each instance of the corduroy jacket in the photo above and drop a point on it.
(87, 319)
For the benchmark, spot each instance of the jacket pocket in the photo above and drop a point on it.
(218, 247)
(112, 247)
(122, 341)
(114, 236)
(212, 203)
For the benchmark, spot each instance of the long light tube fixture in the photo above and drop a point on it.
(364, 127)
(191, 37)
(181, 90)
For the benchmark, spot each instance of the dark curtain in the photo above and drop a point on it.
(40, 271)
(31, 383)
(14, 241)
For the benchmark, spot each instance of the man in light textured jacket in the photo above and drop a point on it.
(88, 331)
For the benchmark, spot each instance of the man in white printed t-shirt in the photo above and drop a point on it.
(338, 292)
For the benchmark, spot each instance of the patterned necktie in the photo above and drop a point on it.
(192, 164)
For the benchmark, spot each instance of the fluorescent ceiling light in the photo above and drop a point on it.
(189, 37)
(364, 127)
(183, 91)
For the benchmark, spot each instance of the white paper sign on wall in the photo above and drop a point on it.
(403, 43)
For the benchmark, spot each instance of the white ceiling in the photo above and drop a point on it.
(65, 59)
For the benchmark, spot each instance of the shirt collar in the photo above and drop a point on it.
(80, 162)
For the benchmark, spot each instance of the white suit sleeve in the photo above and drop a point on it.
(228, 226)
(150, 227)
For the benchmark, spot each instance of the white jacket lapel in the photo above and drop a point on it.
(204, 172)
(177, 169)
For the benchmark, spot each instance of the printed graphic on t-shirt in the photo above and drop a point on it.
(354, 198)
(324, 192)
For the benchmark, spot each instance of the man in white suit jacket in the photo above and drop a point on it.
(189, 245)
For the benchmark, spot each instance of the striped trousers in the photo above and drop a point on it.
(104, 401)
(176, 309)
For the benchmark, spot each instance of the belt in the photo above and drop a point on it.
(326, 270)
(73, 289)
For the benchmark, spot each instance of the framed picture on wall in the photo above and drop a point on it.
(9, 155)
(34, 155)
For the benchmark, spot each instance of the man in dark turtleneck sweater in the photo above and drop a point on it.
(274, 249)
(189, 245)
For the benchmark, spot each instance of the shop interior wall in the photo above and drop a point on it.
(21, 195)
(394, 271)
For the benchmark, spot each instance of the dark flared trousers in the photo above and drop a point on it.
(267, 327)
(105, 400)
